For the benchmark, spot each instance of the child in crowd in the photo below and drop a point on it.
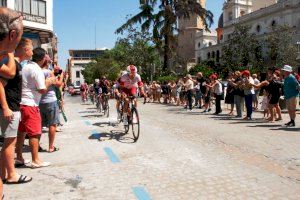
(265, 104)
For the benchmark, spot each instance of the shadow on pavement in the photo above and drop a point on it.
(112, 135)
(266, 126)
(100, 124)
(287, 129)
(88, 112)
(91, 108)
(91, 116)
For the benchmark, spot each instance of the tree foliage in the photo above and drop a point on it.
(136, 49)
(161, 16)
(242, 50)
(280, 46)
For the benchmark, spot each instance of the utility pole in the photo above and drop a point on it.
(95, 36)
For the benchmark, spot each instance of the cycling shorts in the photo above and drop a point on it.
(129, 92)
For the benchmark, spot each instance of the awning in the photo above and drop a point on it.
(45, 36)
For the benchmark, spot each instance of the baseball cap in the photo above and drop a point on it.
(287, 68)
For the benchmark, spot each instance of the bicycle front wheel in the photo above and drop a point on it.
(135, 124)
(107, 109)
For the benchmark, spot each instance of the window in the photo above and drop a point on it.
(213, 54)
(242, 13)
(2, 3)
(218, 56)
(273, 24)
(209, 44)
(258, 28)
(42, 8)
(18, 5)
(77, 74)
(208, 55)
(230, 16)
(32, 7)
(26, 6)
(199, 44)
(199, 59)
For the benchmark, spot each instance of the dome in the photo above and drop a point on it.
(220, 22)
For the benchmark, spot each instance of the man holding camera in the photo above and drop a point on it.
(48, 104)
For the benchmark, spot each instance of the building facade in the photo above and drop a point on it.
(38, 22)
(188, 29)
(77, 62)
(259, 15)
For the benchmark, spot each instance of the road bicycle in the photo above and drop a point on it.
(105, 104)
(132, 118)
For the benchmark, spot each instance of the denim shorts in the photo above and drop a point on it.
(49, 114)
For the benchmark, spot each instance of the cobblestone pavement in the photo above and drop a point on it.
(180, 155)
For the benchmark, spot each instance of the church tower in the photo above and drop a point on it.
(187, 36)
(236, 8)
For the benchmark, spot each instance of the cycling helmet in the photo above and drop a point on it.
(132, 68)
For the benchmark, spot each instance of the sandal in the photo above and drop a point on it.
(54, 149)
(22, 179)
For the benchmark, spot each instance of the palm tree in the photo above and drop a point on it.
(162, 16)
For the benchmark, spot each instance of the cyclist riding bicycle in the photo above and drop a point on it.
(83, 91)
(104, 88)
(128, 85)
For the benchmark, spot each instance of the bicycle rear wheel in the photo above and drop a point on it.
(135, 124)
(106, 111)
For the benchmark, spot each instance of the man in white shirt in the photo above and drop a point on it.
(189, 86)
(33, 86)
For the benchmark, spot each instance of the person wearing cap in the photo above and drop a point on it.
(129, 83)
(291, 91)
(216, 86)
(249, 92)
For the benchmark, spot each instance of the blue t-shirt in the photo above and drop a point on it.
(290, 87)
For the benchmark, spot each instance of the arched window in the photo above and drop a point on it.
(258, 28)
(199, 44)
(208, 55)
(213, 54)
(242, 13)
(218, 56)
(273, 23)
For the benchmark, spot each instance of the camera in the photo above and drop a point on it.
(58, 72)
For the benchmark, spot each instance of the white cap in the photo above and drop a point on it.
(287, 68)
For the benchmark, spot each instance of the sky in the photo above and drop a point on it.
(75, 22)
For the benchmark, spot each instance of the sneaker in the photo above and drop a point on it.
(290, 124)
(209, 110)
(43, 164)
(205, 111)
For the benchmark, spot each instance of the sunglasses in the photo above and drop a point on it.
(20, 17)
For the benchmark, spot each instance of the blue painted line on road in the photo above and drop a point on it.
(112, 156)
(87, 123)
(141, 193)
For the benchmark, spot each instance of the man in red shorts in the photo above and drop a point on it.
(33, 86)
(128, 84)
